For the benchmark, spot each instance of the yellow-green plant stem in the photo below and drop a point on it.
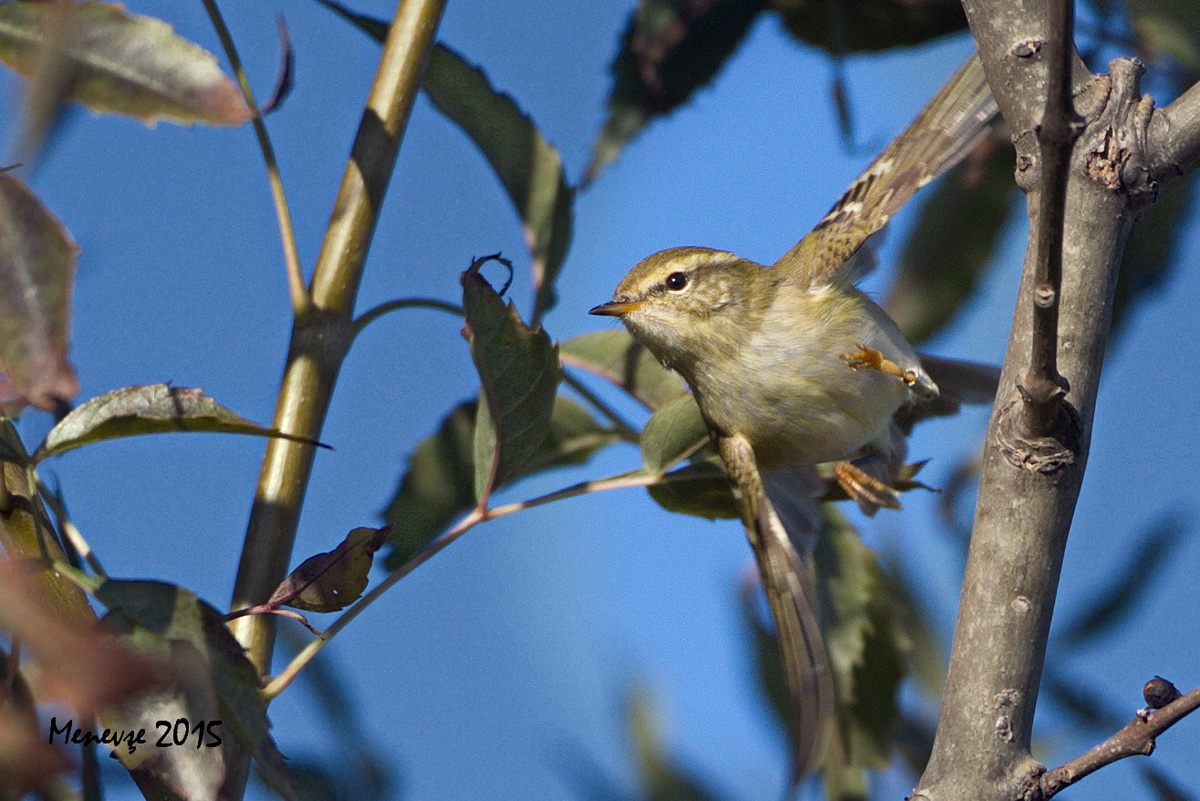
(287, 236)
(320, 338)
(373, 314)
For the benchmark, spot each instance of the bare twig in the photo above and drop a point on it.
(1042, 387)
(376, 312)
(1135, 739)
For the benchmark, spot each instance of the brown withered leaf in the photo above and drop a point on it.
(335, 579)
(37, 272)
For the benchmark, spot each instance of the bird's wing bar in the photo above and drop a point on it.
(941, 135)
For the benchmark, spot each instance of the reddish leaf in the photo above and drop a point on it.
(37, 271)
(27, 762)
(116, 62)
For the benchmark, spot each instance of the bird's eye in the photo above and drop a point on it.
(677, 281)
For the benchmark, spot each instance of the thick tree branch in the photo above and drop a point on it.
(319, 341)
(1030, 481)
(982, 746)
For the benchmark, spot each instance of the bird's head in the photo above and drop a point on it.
(685, 302)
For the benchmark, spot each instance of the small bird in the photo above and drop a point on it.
(793, 366)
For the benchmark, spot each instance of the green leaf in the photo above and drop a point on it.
(618, 357)
(518, 372)
(868, 25)
(674, 432)
(700, 489)
(529, 168)
(867, 650)
(668, 51)
(1121, 593)
(949, 248)
(37, 272)
(335, 579)
(439, 483)
(210, 679)
(114, 62)
(147, 409)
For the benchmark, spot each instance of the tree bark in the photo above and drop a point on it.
(1031, 480)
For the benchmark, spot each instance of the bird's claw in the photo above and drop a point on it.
(864, 488)
(868, 358)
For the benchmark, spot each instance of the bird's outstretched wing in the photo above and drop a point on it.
(791, 597)
(941, 135)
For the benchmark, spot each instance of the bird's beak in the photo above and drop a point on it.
(616, 308)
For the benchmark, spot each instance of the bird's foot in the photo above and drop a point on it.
(868, 491)
(868, 358)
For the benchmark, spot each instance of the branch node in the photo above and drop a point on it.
(1117, 152)
(1047, 454)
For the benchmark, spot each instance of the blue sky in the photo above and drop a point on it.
(499, 668)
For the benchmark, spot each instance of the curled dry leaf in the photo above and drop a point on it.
(333, 580)
(37, 272)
